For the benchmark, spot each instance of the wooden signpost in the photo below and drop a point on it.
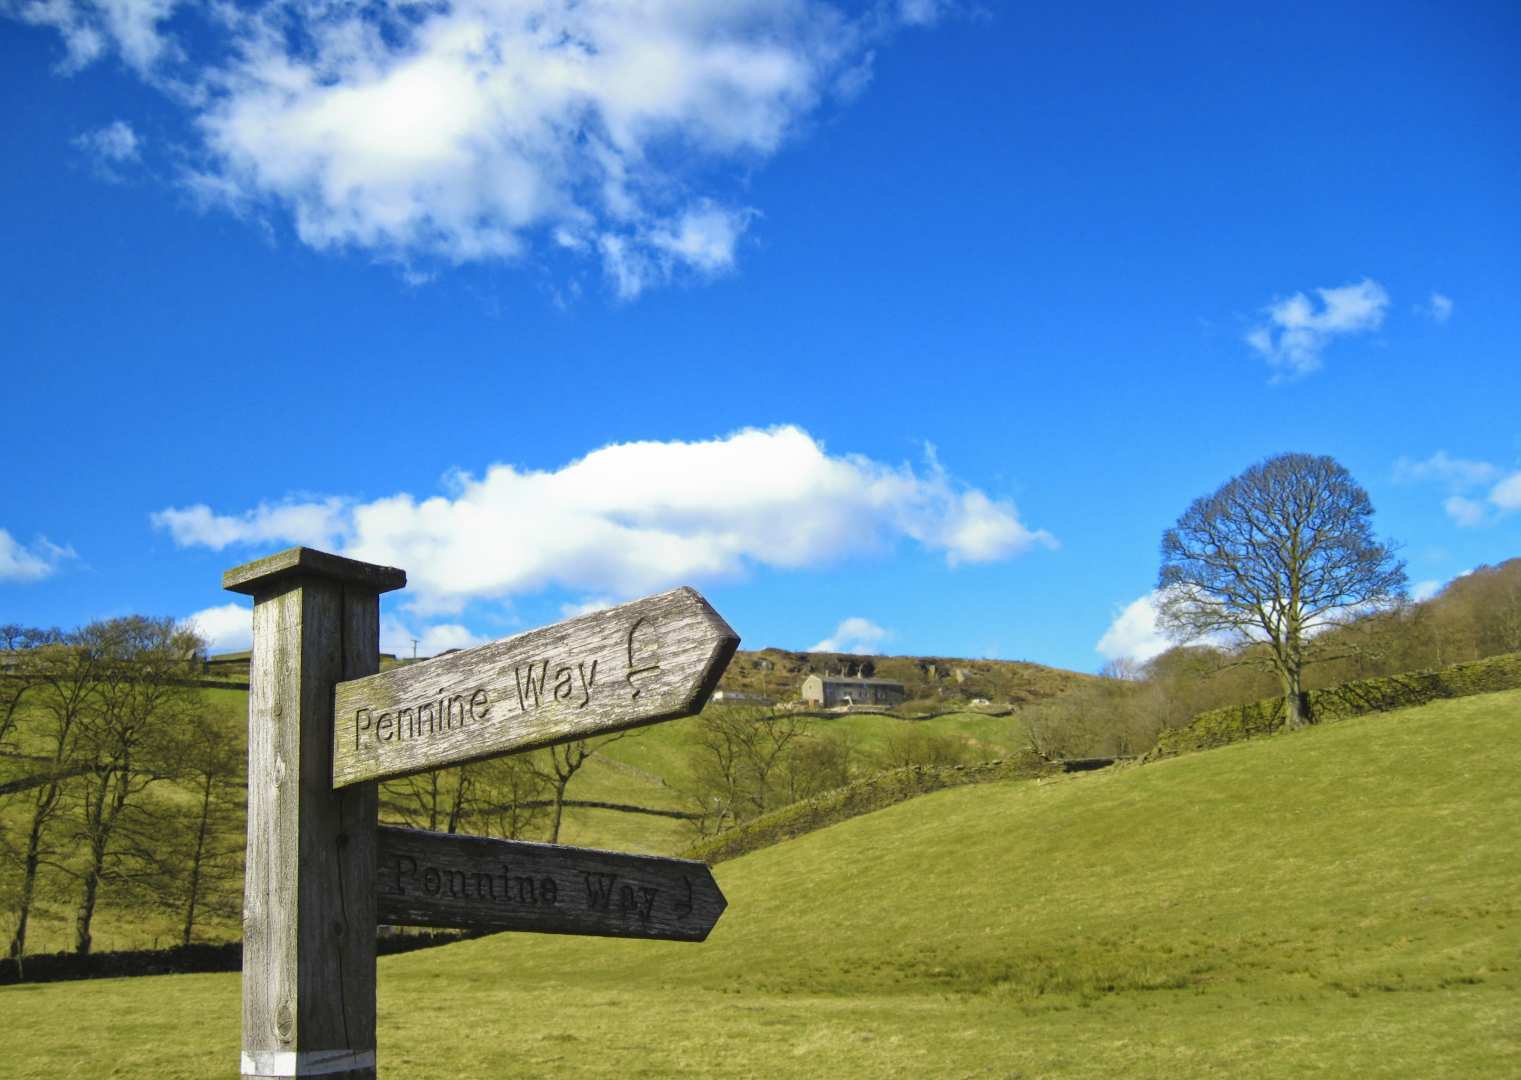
(324, 727)
(654, 659)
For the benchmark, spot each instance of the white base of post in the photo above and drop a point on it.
(285, 1063)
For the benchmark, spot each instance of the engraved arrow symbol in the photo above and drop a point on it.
(632, 669)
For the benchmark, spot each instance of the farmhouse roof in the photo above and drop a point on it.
(857, 681)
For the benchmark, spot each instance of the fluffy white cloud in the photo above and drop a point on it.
(225, 628)
(114, 144)
(1134, 635)
(21, 562)
(854, 635)
(634, 517)
(483, 129)
(1296, 332)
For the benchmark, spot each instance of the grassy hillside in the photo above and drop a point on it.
(1338, 902)
(648, 768)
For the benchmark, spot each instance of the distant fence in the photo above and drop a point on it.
(1219, 727)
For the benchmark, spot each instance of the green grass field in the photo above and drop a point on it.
(1344, 901)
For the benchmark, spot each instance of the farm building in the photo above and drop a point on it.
(829, 690)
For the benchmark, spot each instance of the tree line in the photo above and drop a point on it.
(114, 778)
(122, 781)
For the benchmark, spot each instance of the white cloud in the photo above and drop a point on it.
(1134, 635)
(1438, 309)
(396, 637)
(114, 144)
(83, 41)
(320, 524)
(1456, 473)
(633, 517)
(20, 562)
(92, 28)
(1467, 506)
(1466, 513)
(487, 129)
(854, 635)
(225, 628)
(1296, 333)
(1506, 495)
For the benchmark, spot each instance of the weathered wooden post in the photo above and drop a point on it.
(324, 727)
(309, 900)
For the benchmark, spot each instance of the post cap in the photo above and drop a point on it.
(304, 562)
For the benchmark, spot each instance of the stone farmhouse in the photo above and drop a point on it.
(831, 690)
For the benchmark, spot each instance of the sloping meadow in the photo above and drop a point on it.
(1342, 901)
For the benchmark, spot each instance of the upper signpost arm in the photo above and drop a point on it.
(640, 663)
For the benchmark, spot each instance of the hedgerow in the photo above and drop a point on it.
(1218, 727)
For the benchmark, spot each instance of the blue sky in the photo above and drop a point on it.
(907, 326)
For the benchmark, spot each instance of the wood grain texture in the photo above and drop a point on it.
(477, 883)
(309, 910)
(650, 660)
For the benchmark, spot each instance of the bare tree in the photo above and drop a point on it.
(434, 800)
(742, 764)
(128, 741)
(557, 765)
(63, 681)
(18, 671)
(1274, 557)
(195, 854)
(509, 797)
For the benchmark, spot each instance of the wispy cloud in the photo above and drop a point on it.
(1454, 472)
(114, 144)
(854, 635)
(30, 562)
(1297, 331)
(321, 524)
(1467, 504)
(1438, 308)
(633, 517)
(474, 130)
